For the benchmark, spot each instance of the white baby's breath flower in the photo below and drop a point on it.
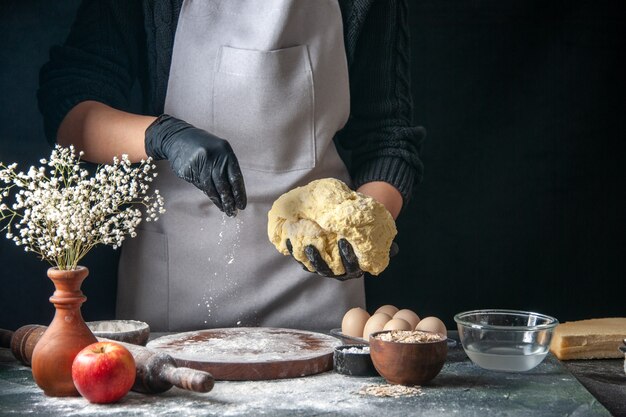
(62, 212)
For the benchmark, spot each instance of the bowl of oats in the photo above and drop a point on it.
(408, 357)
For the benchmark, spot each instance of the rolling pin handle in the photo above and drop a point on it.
(24, 340)
(189, 379)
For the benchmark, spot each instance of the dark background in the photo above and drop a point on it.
(522, 203)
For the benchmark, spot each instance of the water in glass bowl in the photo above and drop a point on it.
(512, 358)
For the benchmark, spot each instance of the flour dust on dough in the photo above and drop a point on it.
(324, 211)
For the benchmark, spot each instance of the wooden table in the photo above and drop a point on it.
(461, 389)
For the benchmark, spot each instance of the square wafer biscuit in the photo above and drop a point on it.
(589, 339)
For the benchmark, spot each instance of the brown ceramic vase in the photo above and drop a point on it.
(65, 337)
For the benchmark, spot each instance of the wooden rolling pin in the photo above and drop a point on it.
(156, 372)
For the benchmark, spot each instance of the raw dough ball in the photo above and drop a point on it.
(397, 324)
(375, 324)
(324, 211)
(387, 309)
(432, 324)
(408, 315)
(354, 321)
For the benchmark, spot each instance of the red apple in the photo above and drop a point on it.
(103, 372)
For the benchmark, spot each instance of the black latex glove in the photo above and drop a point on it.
(348, 258)
(200, 158)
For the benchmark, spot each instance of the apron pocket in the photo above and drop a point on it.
(263, 105)
(143, 284)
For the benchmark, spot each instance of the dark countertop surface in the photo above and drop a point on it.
(580, 388)
(605, 379)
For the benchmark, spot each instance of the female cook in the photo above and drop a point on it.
(253, 97)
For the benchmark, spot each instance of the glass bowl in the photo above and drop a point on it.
(505, 340)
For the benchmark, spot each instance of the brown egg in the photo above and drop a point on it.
(408, 315)
(375, 324)
(354, 321)
(397, 324)
(432, 324)
(387, 309)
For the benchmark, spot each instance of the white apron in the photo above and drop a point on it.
(271, 77)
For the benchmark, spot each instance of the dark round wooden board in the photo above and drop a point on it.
(250, 353)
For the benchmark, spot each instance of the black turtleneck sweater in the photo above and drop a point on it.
(114, 43)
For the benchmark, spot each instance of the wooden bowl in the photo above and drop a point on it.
(407, 363)
(129, 331)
